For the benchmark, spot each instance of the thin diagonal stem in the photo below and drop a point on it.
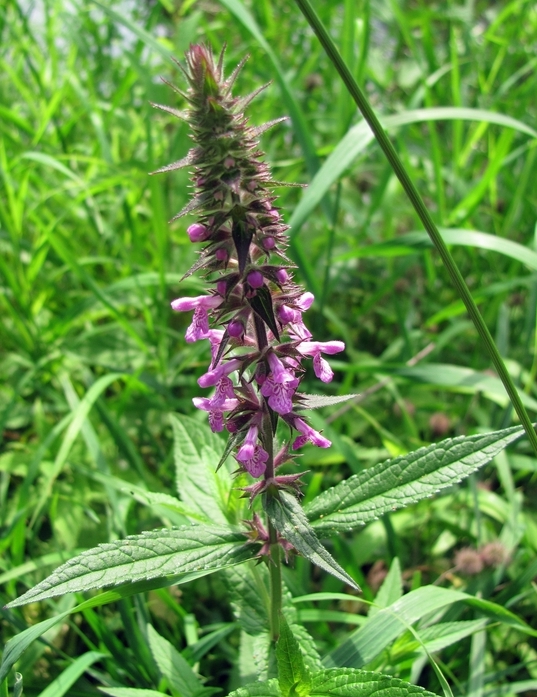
(420, 208)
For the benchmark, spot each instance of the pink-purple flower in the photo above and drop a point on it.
(309, 434)
(314, 348)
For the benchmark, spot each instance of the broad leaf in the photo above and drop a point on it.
(197, 453)
(346, 682)
(269, 688)
(172, 665)
(288, 518)
(404, 480)
(246, 585)
(293, 676)
(186, 552)
(363, 645)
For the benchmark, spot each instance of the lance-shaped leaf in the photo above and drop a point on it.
(366, 643)
(346, 682)
(186, 552)
(261, 304)
(404, 480)
(293, 676)
(289, 520)
(316, 401)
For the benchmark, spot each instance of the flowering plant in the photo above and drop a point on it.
(252, 316)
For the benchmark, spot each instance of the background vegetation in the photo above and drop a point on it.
(92, 361)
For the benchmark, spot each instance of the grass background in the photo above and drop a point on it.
(92, 359)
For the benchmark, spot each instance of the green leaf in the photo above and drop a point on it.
(70, 675)
(404, 480)
(390, 590)
(196, 453)
(247, 586)
(288, 518)
(363, 645)
(316, 401)
(17, 685)
(17, 645)
(293, 676)
(435, 638)
(346, 682)
(261, 304)
(185, 552)
(269, 688)
(172, 665)
(412, 241)
(358, 138)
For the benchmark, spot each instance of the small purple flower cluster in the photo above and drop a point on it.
(253, 315)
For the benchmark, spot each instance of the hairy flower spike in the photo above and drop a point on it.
(253, 312)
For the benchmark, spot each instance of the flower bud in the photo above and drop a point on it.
(235, 328)
(197, 232)
(282, 276)
(255, 279)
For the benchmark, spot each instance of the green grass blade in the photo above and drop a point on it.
(423, 213)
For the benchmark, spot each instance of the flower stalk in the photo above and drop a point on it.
(252, 314)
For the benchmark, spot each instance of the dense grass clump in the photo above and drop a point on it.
(92, 360)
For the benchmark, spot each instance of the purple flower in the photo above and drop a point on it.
(279, 373)
(187, 304)
(212, 377)
(216, 412)
(199, 329)
(246, 451)
(314, 348)
(279, 394)
(215, 338)
(224, 391)
(309, 434)
(251, 455)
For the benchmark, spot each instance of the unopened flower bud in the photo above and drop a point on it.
(221, 254)
(269, 243)
(282, 276)
(197, 232)
(255, 279)
(235, 328)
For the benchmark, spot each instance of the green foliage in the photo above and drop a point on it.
(293, 676)
(181, 554)
(404, 480)
(288, 518)
(92, 361)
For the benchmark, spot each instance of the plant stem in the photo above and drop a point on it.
(420, 208)
(275, 572)
(274, 559)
